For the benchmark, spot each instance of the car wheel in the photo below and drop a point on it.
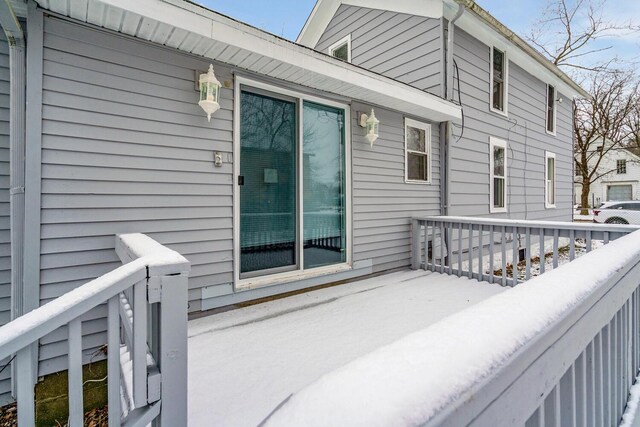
(616, 220)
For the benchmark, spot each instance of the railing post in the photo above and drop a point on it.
(415, 245)
(173, 350)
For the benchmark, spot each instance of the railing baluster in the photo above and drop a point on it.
(25, 394)
(503, 246)
(76, 411)
(514, 263)
(426, 244)
(599, 380)
(606, 237)
(480, 267)
(572, 245)
(113, 361)
(470, 266)
(542, 251)
(442, 247)
(588, 241)
(580, 384)
(615, 341)
(415, 244)
(527, 254)
(433, 246)
(492, 278)
(139, 355)
(459, 249)
(449, 241)
(555, 248)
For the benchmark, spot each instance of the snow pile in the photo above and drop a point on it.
(409, 381)
(630, 412)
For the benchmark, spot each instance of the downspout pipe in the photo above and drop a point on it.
(446, 127)
(17, 121)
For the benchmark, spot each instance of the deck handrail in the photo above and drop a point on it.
(151, 275)
(560, 349)
(487, 248)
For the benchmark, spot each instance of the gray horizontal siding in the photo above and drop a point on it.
(383, 203)
(401, 46)
(5, 242)
(524, 131)
(125, 148)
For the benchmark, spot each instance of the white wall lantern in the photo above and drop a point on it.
(209, 92)
(371, 124)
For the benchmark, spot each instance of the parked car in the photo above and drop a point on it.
(627, 212)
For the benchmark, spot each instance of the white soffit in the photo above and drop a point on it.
(194, 29)
(324, 10)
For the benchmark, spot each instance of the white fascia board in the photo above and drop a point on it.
(206, 23)
(481, 30)
(324, 10)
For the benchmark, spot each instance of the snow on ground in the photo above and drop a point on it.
(243, 363)
(631, 411)
(409, 381)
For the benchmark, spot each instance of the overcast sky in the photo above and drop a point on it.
(286, 17)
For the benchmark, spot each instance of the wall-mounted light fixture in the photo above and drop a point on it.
(209, 92)
(371, 124)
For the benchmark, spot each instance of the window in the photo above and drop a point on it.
(498, 172)
(577, 169)
(291, 208)
(341, 49)
(600, 148)
(621, 167)
(551, 109)
(550, 180)
(417, 143)
(498, 81)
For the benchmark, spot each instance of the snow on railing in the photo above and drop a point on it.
(485, 248)
(147, 306)
(560, 349)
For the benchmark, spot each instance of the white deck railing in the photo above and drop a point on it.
(147, 338)
(562, 349)
(485, 248)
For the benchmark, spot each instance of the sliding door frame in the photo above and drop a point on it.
(300, 272)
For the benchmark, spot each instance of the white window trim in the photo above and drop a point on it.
(346, 39)
(300, 273)
(549, 155)
(505, 63)
(427, 136)
(555, 111)
(496, 142)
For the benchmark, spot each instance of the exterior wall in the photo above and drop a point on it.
(404, 47)
(525, 132)
(598, 189)
(5, 245)
(126, 148)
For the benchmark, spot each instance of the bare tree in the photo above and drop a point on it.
(602, 124)
(567, 29)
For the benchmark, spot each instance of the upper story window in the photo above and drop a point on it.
(498, 174)
(550, 180)
(551, 109)
(341, 49)
(621, 167)
(417, 143)
(498, 81)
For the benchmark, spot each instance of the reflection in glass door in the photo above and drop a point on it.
(267, 184)
(324, 183)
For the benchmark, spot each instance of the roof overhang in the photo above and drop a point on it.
(9, 22)
(194, 29)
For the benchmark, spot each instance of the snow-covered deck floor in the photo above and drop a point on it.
(243, 363)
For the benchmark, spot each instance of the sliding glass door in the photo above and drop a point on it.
(292, 183)
(324, 217)
(268, 205)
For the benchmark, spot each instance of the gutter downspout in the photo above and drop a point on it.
(17, 121)
(446, 127)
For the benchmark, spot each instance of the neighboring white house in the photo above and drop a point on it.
(620, 176)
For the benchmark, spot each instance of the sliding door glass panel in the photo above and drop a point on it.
(324, 204)
(267, 184)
